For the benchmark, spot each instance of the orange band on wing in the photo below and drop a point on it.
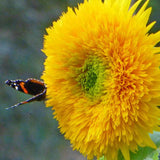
(23, 88)
(36, 81)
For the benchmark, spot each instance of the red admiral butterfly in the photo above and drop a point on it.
(30, 86)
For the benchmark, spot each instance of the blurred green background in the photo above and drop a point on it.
(29, 132)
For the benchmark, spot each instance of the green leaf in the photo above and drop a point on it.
(102, 158)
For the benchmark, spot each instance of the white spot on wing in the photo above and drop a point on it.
(16, 87)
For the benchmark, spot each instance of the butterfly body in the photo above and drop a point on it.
(30, 86)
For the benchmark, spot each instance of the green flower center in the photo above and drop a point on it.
(91, 76)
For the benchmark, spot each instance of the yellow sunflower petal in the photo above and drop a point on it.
(103, 78)
(134, 7)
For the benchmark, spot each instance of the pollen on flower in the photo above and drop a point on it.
(103, 78)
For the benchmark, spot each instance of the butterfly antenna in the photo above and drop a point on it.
(16, 105)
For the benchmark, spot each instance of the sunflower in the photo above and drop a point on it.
(103, 78)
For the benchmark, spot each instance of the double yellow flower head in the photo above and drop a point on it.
(103, 78)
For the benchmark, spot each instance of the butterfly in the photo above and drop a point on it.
(30, 86)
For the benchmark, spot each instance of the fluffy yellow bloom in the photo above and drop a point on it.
(103, 78)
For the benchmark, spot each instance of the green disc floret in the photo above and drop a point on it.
(91, 76)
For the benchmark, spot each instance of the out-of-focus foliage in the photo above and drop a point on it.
(155, 16)
(29, 132)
